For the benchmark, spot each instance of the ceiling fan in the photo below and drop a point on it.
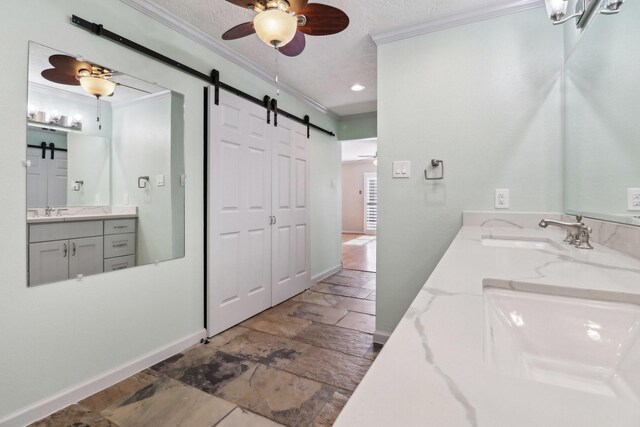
(374, 157)
(94, 79)
(283, 23)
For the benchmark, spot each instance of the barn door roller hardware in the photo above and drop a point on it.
(212, 79)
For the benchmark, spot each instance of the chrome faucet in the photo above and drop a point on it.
(48, 211)
(577, 232)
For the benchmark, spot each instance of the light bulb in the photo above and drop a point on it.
(32, 111)
(557, 9)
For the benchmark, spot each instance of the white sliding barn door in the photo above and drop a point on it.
(291, 248)
(239, 241)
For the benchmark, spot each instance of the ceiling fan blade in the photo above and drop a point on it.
(323, 20)
(295, 46)
(132, 87)
(68, 64)
(59, 76)
(239, 31)
(244, 3)
(297, 5)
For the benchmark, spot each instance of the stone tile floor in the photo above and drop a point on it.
(295, 364)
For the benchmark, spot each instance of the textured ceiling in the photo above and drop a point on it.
(330, 65)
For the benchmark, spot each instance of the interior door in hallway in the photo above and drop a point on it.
(239, 223)
(291, 248)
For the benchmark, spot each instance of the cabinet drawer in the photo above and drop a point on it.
(119, 226)
(117, 245)
(120, 263)
(64, 231)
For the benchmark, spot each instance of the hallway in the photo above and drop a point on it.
(359, 252)
(295, 364)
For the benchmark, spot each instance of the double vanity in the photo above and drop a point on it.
(514, 328)
(77, 242)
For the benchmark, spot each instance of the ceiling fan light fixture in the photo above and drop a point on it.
(275, 27)
(97, 86)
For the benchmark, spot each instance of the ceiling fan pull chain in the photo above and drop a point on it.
(276, 78)
(99, 117)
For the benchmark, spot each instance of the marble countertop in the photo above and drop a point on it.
(69, 218)
(432, 371)
(82, 214)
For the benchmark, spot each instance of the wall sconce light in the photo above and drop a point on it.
(611, 7)
(54, 117)
(557, 10)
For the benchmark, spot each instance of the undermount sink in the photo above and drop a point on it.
(521, 242)
(564, 338)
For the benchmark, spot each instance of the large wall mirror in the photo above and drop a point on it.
(105, 169)
(602, 127)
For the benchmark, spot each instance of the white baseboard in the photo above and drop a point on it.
(93, 385)
(352, 232)
(381, 337)
(325, 274)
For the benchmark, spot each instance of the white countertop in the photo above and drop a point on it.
(432, 370)
(68, 218)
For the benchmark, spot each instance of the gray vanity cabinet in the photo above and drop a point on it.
(63, 250)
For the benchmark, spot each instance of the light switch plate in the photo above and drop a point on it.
(502, 199)
(634, 199)
(402, 169)
(160, 180)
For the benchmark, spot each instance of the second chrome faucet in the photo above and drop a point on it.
(577, 233)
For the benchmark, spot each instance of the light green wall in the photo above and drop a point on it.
(142, 147)
(326, 197)
(485, 98)
(358, 127)
(56, 336)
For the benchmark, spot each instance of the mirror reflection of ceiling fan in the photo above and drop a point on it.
(374, 157)
(94, 79)
(283, 23)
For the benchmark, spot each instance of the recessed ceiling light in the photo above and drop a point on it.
(357, 87)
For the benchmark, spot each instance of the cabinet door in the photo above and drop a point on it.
(86, 256)
(48, 262)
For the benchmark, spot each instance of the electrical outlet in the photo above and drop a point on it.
(634, 199)
(502, 199)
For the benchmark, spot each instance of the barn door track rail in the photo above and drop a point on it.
(213, 78)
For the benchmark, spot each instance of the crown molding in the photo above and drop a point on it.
(133, 101)
(359, 116)
(191, 32)
(61, 93)
(455, 20)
